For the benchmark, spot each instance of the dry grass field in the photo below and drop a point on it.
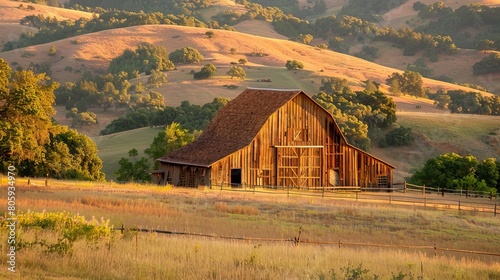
(155, 256)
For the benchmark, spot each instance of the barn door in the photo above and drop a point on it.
(299, 166)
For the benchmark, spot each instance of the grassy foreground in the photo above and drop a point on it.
(154, 256)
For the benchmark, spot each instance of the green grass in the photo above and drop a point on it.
(111, 148)
(465, 134)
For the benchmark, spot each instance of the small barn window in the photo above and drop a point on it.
(382, 181)
(236, 177)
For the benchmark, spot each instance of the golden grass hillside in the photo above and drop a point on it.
(11, 13)
(94, 52)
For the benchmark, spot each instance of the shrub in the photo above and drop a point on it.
(294, 65)
(401, 136)
(66, 226)
(186, 55)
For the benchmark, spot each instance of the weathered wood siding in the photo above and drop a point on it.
(300, 145)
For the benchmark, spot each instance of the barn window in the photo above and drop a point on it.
(236, 177)
(382, 181)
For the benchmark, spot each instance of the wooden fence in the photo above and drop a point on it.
(300, 240)
(405, 193)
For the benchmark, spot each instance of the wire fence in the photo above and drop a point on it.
(299, 240)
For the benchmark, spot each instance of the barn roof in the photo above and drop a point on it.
(233, 127)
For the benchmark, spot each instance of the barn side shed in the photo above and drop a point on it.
(271, 137)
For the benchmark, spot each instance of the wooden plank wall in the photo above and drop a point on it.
(300, 122)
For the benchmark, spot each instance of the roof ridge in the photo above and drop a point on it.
(275, 89)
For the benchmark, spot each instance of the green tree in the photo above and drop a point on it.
(70, 155)
(401, 136)
(453, 171)
(157, 78)
(338, 44)
(489, 171)
(409, 83)
(186, 55)
(304, 39)
(294, 65)
(25, 114)
(173, 138)
(52, 51)
(236, 71)
(243, 61)
(210, 34)
(205, 72)
(133, 168)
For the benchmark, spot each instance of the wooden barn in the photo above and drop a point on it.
(270, 137)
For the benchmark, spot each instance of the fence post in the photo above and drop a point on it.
(458, 205)
(340, 243)
(46, 182)
(29, 182)
(122, 229)
(495, 208)
(435, 250)
(297, 239)
(404, 186)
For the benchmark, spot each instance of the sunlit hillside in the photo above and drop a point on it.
(11, 12)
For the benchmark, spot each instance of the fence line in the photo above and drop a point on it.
(297, 241)
(396, 195)
(455, 199)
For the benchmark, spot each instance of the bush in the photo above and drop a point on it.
(401, 136)
(68, 228)
(186, 55)
(206, 72)
(294, 65)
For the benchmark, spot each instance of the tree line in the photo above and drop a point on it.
(50, 29)
(453, 171)
(189, 116)
(356, 111)
(454, 23)
(467, 102)
(31, 141)
(175, 7)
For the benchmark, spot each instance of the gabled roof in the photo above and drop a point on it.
(236, 125)
(233, 127)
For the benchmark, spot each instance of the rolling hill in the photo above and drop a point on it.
(94, 51)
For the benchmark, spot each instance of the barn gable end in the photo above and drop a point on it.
(267, 137)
